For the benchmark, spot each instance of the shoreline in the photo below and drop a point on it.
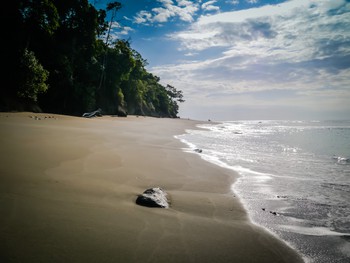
(69, 184)
(192, 149)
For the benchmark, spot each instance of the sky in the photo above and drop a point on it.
(245, 59)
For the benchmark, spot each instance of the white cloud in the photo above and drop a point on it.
(142, 17)
(118, 31)
(126, 30)
(184, 10)
(284, 9)
(298, 49)
(184, 3)
(233, 2)
(252, 1)
(284, 32)
(162, 14)
(210, 6)
(190, 54)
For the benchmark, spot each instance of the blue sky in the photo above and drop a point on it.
(246, 59)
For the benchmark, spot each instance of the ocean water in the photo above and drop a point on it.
(294, 178)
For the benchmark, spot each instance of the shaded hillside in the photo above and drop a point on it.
(59, 59)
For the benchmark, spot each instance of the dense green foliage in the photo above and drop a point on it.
(58, 56)
(32, 76)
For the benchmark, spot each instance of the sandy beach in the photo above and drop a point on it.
(68, 187)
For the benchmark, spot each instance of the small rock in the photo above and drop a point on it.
(281, 196)
(153, 197)
(198, 150)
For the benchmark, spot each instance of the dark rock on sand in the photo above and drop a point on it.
(122, 112)
(281, 196)
(153, 197)
(198, 150)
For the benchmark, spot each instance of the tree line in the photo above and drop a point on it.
(58, 58)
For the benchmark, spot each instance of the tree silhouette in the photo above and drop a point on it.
(114, 7)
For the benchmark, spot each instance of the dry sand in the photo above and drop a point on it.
(68, 187)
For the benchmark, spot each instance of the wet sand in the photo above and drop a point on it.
(68, 187)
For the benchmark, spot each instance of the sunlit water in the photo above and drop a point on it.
(295, 178)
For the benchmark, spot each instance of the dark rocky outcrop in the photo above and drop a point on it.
(153, 197)
(18, 105)
(122, 112)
